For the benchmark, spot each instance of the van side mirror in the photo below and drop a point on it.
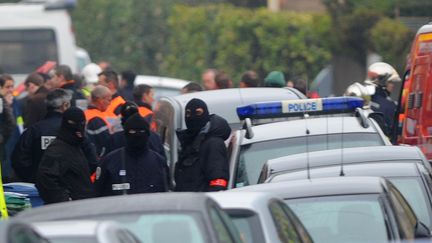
(422, 231)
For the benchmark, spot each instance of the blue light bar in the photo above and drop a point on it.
(286, 108)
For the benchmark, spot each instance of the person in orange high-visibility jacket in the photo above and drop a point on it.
(144, 97)
(109, 79)
(98, 128)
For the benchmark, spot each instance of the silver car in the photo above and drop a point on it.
(262, 217)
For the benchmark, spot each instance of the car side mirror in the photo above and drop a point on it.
(422, 231)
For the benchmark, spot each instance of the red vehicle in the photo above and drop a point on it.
(416, 97)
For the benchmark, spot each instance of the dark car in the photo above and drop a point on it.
(158, 217)
(406, 167)
(349, 209)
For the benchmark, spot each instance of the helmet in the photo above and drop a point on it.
(380, 73)
(90, 72)
(359, 90)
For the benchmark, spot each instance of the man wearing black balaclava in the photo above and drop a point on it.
(64, 173)
(134, 168)
(118, 139)
(203, 160)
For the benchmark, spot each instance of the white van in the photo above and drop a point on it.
(33, 33)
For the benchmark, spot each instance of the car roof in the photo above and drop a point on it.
(242, 200)
(219, 100)
(332, 186)
(70, 227)
(151, 202)
(348, 155)
(361, 169)
(425, 29)
(165, 82)
(315, 125)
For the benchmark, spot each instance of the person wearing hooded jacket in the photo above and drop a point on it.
(203, 161)
(134, 168)
(63, 173)
(118, 139)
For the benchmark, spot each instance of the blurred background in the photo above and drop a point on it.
(329, 43)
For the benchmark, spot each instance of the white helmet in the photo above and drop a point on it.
(359, 90)
(90, 73)
(380, 73)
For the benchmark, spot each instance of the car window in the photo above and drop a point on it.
(413, 191)
(74, 239)
(252, 157)
(301, 231)
(404, 215)
(161, 227)
(221, 229)
(24, 234)
(248, 224)
(354, 218)
(285, 229)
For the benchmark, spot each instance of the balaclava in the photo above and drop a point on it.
(127, 110)
(196, 115)
(72, 129)
(136, 130)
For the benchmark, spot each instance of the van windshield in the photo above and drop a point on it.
(24, 50)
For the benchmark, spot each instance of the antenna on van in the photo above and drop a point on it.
(305, 115)
(342, 173)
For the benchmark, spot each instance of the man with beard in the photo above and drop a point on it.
(203, 161)
(64, 173)
(134, 168)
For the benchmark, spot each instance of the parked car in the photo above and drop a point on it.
(262, 217)
(153, 218)
(309, 125)
(405, 166)
(169, 111)
(84, 232)
(349, 209)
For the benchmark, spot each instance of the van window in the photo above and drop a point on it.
(24, 50)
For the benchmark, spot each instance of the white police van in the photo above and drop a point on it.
(169, 111)
(33, 32)
(281, 128)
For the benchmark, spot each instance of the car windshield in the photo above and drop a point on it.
(248, 225)
(413, 190)
(354, 218)
(161, 227)
(73, 239)
(253, 156)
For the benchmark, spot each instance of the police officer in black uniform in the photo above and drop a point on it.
(63, 173)
(203, 161)
(134, 168)
(35, 139)
(118, 139)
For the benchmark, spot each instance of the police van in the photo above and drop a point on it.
(169, 111)
(282, 128)
(33, 33)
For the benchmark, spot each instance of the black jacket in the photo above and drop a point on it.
(78, 98)
(98, 132)
(203, 157)
(63, 173)
(382, 102)
(121, 173)
(34, 141)
(155, 143)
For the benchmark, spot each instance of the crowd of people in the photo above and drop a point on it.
(78, 137)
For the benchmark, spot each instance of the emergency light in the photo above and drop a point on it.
(286, 108)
